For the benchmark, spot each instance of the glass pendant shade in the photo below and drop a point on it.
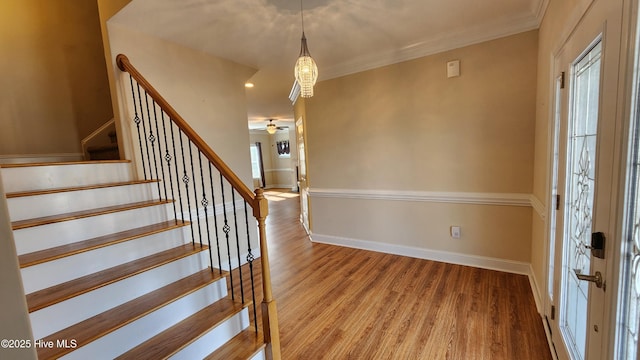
(306, 70)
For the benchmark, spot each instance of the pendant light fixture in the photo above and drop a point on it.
(306, 70)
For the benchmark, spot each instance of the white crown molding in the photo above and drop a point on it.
(539, 207)
(508, 199)
(483, 262)
(466, 37)
(295, 92)
(541, 10)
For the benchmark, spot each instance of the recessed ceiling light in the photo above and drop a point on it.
(248, 85)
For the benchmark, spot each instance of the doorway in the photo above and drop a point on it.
(586, 69)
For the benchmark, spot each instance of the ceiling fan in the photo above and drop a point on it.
(272, 128)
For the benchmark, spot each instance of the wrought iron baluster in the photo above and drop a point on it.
(215, 218)
(205, 204)
(144, 132)
(152, 139)
(137, 121)
(177, 183)
(235, 224)
(250, 260)
(164, 184)
(226, 229)
(168, 158)
(185, 180)
(195, 192)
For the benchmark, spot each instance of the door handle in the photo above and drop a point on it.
(597, 278)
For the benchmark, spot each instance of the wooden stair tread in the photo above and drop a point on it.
(77, 188)
(58, 163)
(177, 337)
(58, 293)
(21, 224)
(88, 330)
(243, 346)
(62, 251)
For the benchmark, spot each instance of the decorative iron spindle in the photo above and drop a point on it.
(136, 120)
(195, 192)
(177, 181)
(168, 158)
(226, 229)
(185, 180)
(235, 224)
(215, 219)
(144, 132)
(164, 184)
(205, 205)
(250, 259)
(152, 140)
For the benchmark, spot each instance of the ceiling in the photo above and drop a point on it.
(344, 36)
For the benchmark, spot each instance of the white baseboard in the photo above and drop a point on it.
(535, 289)
(483, 262)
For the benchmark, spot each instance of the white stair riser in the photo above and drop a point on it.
(29, 207)
(215, 338)
(66, 232)
(131, 335)
(61, 176)
(64, 314)
(51, 273)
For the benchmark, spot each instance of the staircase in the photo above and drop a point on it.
(109, 271)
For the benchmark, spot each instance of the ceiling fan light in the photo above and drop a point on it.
(271, 128)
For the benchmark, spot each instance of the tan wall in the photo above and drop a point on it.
(207, 91)
(14, 317)
(53, 87)
(407, 127)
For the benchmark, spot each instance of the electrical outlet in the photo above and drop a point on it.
(455, 232)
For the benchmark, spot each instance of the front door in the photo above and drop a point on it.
(587, 66)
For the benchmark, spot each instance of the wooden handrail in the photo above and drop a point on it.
(225, 170)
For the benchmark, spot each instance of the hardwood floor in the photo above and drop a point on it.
(341, 303)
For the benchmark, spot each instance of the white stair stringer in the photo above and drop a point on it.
(135, 333)
(259, 356)
(29, 207)
(50, 273)
(32, 239)
(214, 338)
(59, 175)
(56, 317)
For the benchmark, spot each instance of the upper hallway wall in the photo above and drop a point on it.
(53, 82)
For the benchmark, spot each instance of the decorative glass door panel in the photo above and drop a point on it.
(630, 288)
(580, 189)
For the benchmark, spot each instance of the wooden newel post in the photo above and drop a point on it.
(269, 311)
